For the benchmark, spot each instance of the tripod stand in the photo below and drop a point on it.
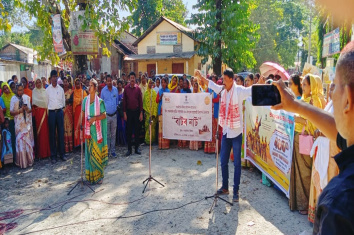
(150, 178)
(216, 196)
(81, 180)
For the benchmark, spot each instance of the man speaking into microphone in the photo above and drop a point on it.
(230, 119)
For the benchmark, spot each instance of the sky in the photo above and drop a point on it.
(189, 4)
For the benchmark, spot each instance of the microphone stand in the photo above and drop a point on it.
(81, 180)
(216, 196)
(150, 178)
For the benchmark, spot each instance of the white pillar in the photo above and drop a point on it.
(156, 69)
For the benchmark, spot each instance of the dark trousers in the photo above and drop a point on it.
(226, 145)
(133, 123)
(56, 126)
(13, 137)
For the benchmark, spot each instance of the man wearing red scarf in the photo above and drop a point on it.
(230, 119)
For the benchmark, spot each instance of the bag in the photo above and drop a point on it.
(305, 143)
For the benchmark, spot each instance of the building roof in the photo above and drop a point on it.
(160, 56)
(25, 50)
(180, 27)
(125, 48)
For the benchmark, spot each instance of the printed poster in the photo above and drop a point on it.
(57, 35)
(269, 140)
(84, 43)
(169, 38)
(187, 116)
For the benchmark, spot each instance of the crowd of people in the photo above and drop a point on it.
(51, 117)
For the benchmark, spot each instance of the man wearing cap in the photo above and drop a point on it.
(56, 103)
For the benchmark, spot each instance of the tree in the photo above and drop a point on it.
(149, 11)
(281, 23)
(101, 16)
(225, 33)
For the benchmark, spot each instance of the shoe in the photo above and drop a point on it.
(114, 155)
(222, 191)
(128, 153)
(54, 160)
(137, 151)
(63, 158)
(236, 197)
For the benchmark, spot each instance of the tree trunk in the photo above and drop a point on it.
(79, 64)
(80, 61)
(217, 62)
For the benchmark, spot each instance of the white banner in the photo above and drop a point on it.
(187, 116)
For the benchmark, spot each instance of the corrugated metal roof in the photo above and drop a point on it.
(25, 50)
(160, 56)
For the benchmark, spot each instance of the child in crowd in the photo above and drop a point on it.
(6, 141)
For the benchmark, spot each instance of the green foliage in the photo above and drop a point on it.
(280, 25)
(225, 33)
(149, 11)
(101, 16)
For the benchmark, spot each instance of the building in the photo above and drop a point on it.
(115, 63)
(19, 60)
(167, 47)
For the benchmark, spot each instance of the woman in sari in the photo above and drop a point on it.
(95, 132)
(40, 114)
(173, 86)
(195, 145)
(7, 95)
(121, 137)
(318, 183)
(150, 108)
(68, 117)
(27, 91)
(210, 147)
(20, 108)
(77, 97)
(163, 143)
(301, 167)
(320, 91)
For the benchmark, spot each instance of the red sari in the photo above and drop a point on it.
(42, 141)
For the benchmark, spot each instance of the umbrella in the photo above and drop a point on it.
(268, 68)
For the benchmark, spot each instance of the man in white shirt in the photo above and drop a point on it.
(230, 119)
(56, 103)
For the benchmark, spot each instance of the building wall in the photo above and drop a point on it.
(9, 69)
(151, 40)
(165, 66)
(10, 54)
(42, 70)
(130, 66)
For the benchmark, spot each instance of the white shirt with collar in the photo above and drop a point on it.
(56, 97)
(242, 93)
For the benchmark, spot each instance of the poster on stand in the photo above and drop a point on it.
(187, 116)
(57, 34)
(269, 140)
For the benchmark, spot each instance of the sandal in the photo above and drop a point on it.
(304, 212)
(100, 182)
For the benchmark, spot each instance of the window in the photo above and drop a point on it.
(177, 48)
(151, 50)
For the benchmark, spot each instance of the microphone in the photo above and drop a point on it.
(223, 88)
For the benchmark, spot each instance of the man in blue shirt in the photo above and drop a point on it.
(109, 95)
